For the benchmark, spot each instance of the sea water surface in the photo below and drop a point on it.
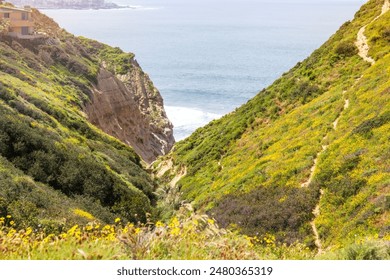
(208, 57)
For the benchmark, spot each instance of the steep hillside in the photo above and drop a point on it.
(299, 172)
(122, 100)
(56, 168)
(307, 159)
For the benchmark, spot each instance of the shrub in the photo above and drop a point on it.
(366, 127)
(367, 251)
(282, 211)
(386, 34)
(75, 171)
(305, 91)
(346, 49)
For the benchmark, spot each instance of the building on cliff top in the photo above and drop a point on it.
(16, 22)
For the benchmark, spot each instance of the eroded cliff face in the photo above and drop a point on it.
(131, 109)
(107, 83)
(53, 160)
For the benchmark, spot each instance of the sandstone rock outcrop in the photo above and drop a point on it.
(123, 103)
(131, 109)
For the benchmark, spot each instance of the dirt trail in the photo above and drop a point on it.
(385, 8)
(324, 147)
(168, 166)
(336, 122)
(362, 42)
(164, 167)
(179, 174)
(316, 211)
(363, 47)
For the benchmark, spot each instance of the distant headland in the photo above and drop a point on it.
(68, 4)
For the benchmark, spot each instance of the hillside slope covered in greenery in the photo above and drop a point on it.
(307, 159)
(56, 168)
(301, 171)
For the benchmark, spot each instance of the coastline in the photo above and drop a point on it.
(84, 8)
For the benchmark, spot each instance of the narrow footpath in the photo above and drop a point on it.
(316, 210)
(362, 42)
(362, 45)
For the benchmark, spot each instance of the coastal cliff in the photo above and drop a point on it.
(301, 171)
(61, 97)
(122, 100)
(131, 109)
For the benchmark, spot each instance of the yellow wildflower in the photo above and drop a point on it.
(89, 227)
(160, 224)
(28, 231)
(107, 227)
(174, 223)
(175, 231)
(11, 232)
(84, 214)
(111, 237)
(49, 238)
(117, 220)
(72, 230)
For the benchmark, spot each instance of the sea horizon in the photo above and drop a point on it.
(209, 57)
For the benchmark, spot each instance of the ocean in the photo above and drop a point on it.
(208, 57)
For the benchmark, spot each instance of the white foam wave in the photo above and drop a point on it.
(187, 120)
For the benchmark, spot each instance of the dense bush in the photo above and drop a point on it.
(386, 34)
(305, 91)
(366, 127)
(34, 204)
(346, 49)
(340, 180)
(282, 211)
(42, 154)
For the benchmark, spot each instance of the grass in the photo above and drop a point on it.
(69, 191)
(151, 241)
(162, 241)
(126, 241)
(269, 145)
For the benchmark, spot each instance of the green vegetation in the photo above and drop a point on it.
(369, 250)
(280, 210)
(161, 241)
(318, 138)
(250, 169)
(127, 241)
(378, 34)
(56, 169)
